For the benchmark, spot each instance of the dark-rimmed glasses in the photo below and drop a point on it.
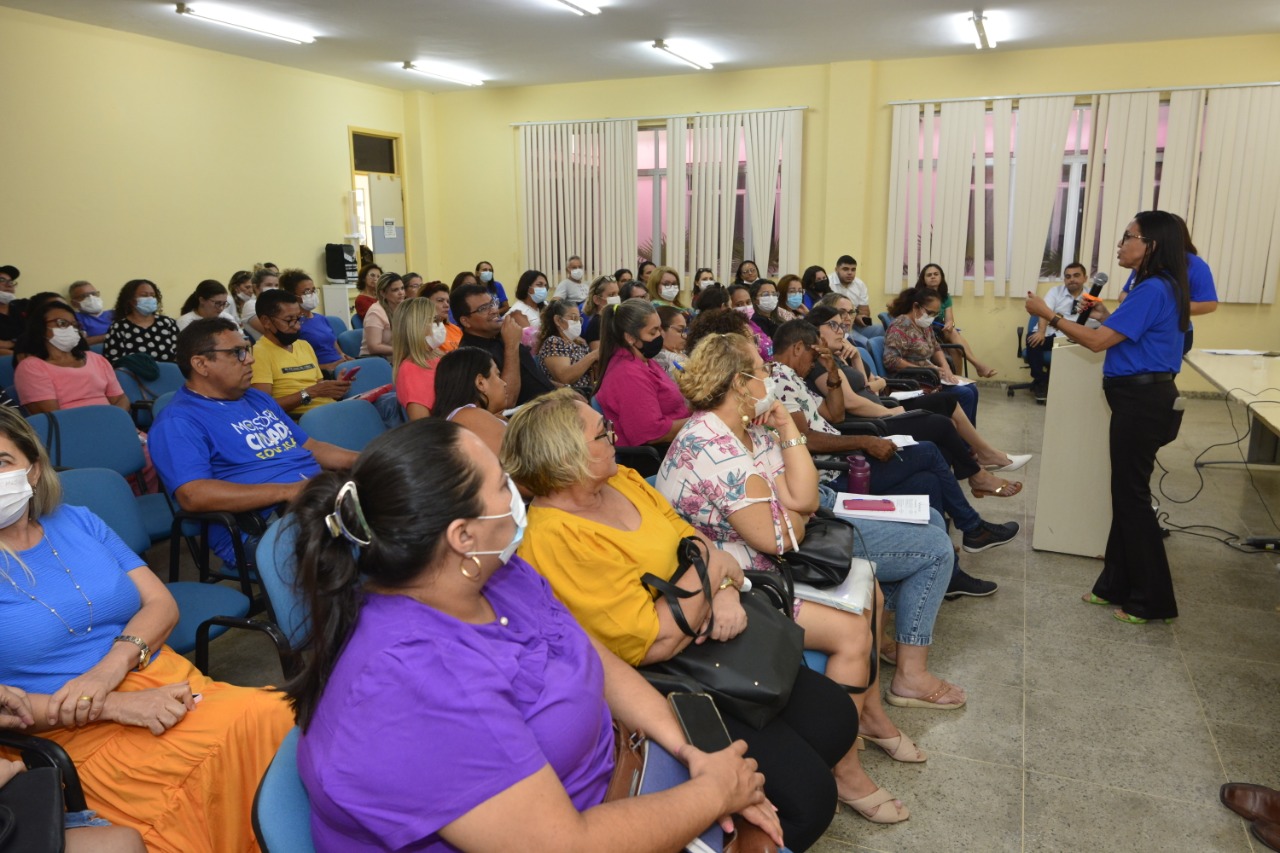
(241, 353)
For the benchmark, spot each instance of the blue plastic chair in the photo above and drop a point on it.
(375, 371)
(350, 424)
(103, 437)
(276, 569)
(98, 348)
(163, 400)
(877, 355)
(205, 611)
(336, 324)
(357, 322)
(6, 371)
(349, 342)
(281, 807)
(885, 319)
(142, 395)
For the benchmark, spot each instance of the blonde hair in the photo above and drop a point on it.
(655, 279)
(409, 333)
(544, 447)
(47, 493)
(716, 362)
(384, 284)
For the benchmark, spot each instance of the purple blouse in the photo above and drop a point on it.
(426, 717)
(640, 398)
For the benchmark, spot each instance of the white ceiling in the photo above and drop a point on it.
(524, 42)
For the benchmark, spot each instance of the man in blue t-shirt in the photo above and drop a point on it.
(222, 446)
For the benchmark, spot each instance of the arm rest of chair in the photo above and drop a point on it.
(831, 465)
(921, 375)
(861, 426)
(901, 385)
(644, 458)
(40, 752)
(229, 520)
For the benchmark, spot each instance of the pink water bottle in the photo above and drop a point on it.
(859, 475)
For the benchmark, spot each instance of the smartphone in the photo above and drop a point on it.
(349, 375)
(700, 718)
(879, 505)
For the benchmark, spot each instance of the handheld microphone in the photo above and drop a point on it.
(1099, 281)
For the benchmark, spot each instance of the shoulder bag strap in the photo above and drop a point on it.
(688, 553)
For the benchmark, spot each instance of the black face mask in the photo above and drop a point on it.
(649, 349)
(287, 339)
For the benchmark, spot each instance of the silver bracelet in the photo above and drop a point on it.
(798, 440)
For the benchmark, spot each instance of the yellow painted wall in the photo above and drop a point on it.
(133, 157)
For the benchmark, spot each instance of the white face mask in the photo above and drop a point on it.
(518, 515)
(669, 291)
(438, 335)
(765, 403)
(924, 321)
(7, 296)
(768, 303)
(15, 495)
(91, 305)
(576, 275)
(65, 339)
(613, 300)
(574, 331)
(310, 301)
(486, 276)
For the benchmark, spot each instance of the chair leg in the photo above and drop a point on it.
(288, 657)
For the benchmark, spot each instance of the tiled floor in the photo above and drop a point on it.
(1081, 733)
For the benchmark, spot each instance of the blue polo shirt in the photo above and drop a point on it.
(95, 324)
(1199, 280)
(316, 331)
(250, 441)
(1148, 318)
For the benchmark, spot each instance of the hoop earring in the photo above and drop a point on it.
(462, 567)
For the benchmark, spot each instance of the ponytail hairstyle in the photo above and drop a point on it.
(1164, 235)
(383, 522)
(206, 289)
(616, 322)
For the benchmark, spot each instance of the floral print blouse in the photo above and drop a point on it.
(704, 476)
(904, 341)
(795, 396)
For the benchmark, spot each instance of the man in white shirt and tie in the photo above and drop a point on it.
(1064, 299)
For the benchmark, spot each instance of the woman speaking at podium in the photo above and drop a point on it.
(1143, 343)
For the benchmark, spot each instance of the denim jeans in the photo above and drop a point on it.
(967, 397)
(913, 565)
(921, 470)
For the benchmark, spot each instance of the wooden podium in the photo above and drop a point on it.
(1073, 507)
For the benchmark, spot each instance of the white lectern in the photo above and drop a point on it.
(1073, 509)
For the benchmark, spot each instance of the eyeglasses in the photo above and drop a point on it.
(606, 432)
(294, 321)
(683, 330)
(62, 324)
(1126, 237)
(837, 326)
(241, 353)
(487, 308)
(312, 292)
(221, 304)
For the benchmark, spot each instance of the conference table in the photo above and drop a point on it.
(1254, 382)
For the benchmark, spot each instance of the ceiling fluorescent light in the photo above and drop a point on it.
(451, 76)
(580, 7)
(692, 62)
(980, 39)
(248, 25)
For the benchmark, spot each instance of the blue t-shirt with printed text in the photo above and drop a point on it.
(1148, 318)
(249, 441)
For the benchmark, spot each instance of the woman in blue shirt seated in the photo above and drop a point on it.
(315, 328)
(1143, 341)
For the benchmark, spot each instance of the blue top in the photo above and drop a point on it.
(40, 654)
(95, 325)
(1199, 279)
(426, 717)
(317, 331)
(1148, 318)
(496, 288)
(249, 441)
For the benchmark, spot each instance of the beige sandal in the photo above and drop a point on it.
(879, 807)
(899, 748)
(930, 701)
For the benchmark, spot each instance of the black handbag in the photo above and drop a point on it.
(750, 676)
(824, 556)
(31, 812)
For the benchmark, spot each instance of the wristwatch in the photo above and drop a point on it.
(144, 651)
(306, 397)
(1055, 320)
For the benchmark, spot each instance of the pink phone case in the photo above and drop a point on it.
(880, 505)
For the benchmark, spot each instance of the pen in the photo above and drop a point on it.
(897, 455)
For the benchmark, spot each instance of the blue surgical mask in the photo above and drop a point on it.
(518, 515)
(486, 276)
(795, 300)
(539, 295)
(147, 305)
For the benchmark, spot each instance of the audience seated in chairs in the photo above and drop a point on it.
(417, 333)
(94, 320)
(158, 746)
(481, 717)
(412, 285)
(241, 287)
(635, 393)
(315, 329)
(910, 343)
(663, 285)
(210, 299)
(482, 326)
(377, 320)
(816, 284)
(847, 284)
(675, 326)
(265, 278)
(59, 371)
(531, 295)
(12, 310)
(285, 366)
(769, 310)
(438, 293)
(740, 301)
(470, 391)
(222, 445)
(139, 326)
(792, 296)
(484, 276)
(602, 293)
(944, 324)
(368, 297)
(560, 349)
(596, 528)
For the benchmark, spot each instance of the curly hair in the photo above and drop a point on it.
(717, 362)
(719, 321)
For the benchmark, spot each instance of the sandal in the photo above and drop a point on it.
(899, 748)
(1134, 620)
(1007, 490)
(929, 701)
(988, 373)
(885, 657)
(1090, 598)
(879, 807)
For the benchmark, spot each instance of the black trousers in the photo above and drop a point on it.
(1037, 360)
(941, 430)
(796, 752)
(1135, 572)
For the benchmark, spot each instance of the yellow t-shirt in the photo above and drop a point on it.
(595, 569)
(288, 372)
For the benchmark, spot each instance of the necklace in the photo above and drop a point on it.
(52, 610)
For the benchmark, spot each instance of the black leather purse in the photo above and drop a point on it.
(824, 556)
(750, 676)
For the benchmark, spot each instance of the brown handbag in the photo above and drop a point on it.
(628, 767)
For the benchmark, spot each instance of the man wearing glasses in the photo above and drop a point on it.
(284, 365)
(223, 446)
(476, 311)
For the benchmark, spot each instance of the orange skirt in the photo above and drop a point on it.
(190, 789)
